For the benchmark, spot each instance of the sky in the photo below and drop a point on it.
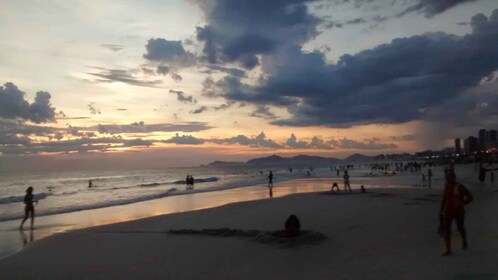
(186, 82)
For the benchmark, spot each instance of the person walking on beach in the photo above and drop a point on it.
(90, 185)
(346, 181)
(191, 182)
(29, 209)
(455, 196)
(270, 183)
(429, 176)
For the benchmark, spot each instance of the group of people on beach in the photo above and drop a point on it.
(455, 197)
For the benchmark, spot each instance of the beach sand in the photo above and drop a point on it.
(382, 234)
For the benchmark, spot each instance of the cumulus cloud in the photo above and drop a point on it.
(170, 57)
(392, 83)
(257, 141)
(182, 97)
(184, 140)
(239, 31)
(292, 142)
(14, 106)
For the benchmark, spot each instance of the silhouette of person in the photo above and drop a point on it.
(429, 176)
(29, 209)
(270, 183)
(455, 196)
(292, 226)
(335, 186)
(346, 181)
(363, 189)
(191, 182)
(90, 183)
(482, 173)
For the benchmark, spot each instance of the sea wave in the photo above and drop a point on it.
(12, 199)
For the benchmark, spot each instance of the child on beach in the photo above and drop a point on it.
(335, 186)
(455, 196)
(29, 210)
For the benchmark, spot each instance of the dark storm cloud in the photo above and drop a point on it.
(238, 31)
(124, 76)
(182, 97)
(14, 106)
(392, 83)
(184, 140)
(431, 8)
(258, 141)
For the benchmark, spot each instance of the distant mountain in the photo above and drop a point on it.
(218, 163)
(294, 161)
(357, 157)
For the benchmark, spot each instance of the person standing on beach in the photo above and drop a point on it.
(29, 209)
(346, 181)
(90, 185)
(455, 196)
(270, 183)
(429, 176)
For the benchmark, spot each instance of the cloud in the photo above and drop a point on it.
(431, 8)
(239, 31)
(14, 106)
(141, 127)
(367, 144)
(199, 110)
(263, 112)
(184, 140)
(76, 145)
(182, 97)
(224, 106)
(124, 76)
(258, 141)
(112, 47)
(228, 70)
(406, 137)
(391, 83)
(93, 110)
(292, 142)
(162, 69)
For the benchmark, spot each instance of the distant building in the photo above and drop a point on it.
(490, 139)
(458, 148)
(482, 139)
(470, 145)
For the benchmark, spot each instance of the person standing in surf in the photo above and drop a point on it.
(270, 183)
(29, 209)
(346, 181)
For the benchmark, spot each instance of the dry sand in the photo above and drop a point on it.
(383, 234)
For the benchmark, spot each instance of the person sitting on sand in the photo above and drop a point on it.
(455, 196)
(346, 181)
(335, 186)
(362, 189)
(292, 226)
(29, 209)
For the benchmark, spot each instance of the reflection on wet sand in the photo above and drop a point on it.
(49, 225)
